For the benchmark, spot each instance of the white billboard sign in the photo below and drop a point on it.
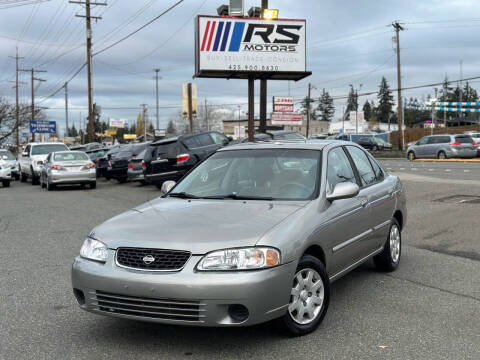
(286, 119)
(245, 45)
(239, 132)
(283, 104)
(357, 114)
(118, 123)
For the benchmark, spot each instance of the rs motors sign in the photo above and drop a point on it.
(228, 47)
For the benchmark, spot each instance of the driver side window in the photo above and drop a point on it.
(338, 169)
(423, 141)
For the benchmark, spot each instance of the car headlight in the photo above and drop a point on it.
(94, 250)
(240, 259)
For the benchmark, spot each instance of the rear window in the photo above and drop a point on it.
(71, 156)
(47, 149)
(8, 154)
(123, 154)
(289, 136)
(464, 139)
(191, 142)
(204, 139)
(168, 150)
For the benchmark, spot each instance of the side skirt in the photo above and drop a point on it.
(354, 265)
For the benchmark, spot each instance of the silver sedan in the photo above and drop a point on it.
(67, 168)
(254, 233)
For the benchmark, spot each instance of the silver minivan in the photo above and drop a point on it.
(443, 146)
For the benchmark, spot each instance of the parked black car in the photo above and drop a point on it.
(96, 154)
(373, 143)
(117, 165)
(172, 158)
(102, 162)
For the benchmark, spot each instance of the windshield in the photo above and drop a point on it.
(47, 149)
(71, 156)
(273, 174)
(8, 154)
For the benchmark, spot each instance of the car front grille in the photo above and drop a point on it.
(165, 309)
(152, 259)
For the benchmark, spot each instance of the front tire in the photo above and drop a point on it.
(34, 178)
(23, 177)
(6, 183)
(389, 259)
(442, 155)
(50, 187)
(93, 185)
(411, 156)
(309, 297)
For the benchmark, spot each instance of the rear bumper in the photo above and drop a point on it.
(135, 175)
(462, 153)
(73, 178)
(264, 293)
(166, 176)
(119, 173)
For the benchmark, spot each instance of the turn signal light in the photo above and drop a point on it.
(272, 258)
(182, 158)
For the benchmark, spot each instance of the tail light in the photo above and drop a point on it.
(143, 164)
(130, 165)
(88, 166)
(455, 143)
(57, 167)
(182, 158)
(109, 164)
(474, 143)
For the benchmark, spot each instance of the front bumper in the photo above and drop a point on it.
(5, 174)
(265, 293)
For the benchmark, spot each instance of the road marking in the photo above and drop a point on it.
(431, 169)
(389, 169)
(466, 171)
(448, 170)
(401, 169)
(414, 169)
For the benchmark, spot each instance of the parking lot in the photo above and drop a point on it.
(428, 309)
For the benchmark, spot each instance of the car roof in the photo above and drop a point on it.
(46, 143)
(314, 145)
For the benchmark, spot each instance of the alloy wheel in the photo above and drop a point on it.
(395, 243)
(306, 297)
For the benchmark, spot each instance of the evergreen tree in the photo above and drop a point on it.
(171, 130)
(469, 94)
(352, 102)
(367, 111)
(73, 131)
(325, 107)
(385, 102)
(313, 115)
(150, 128)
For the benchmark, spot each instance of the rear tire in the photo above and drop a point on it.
(6, 183)
(442, 155)
(93, 185)
(16, 177)
(122, 180)
(304, 313)
(50, 187)
(389, 259)
(42, 183)
(23, 177)
(411, 156)
(34, 178)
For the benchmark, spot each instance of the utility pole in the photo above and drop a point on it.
(67, 131)
(33, 78)
(263, 90)
(460, 114)
(88, 18)
(144, 116)
(206, 115)
(17, 111)
(190, 106)
(251, 108)
(156, 87)
(308, 108)
(445, 89)
(396, 25)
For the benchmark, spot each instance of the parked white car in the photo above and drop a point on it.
(31, 161)
(5, 173)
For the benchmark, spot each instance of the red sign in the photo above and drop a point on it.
(286, 119)
(283, 108)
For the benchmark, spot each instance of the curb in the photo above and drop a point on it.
(449, 160)
(383, 159)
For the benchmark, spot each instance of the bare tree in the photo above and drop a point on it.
(8, 122)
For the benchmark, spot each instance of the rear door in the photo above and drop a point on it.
(164, 157)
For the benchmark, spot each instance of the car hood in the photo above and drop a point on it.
(198, 226)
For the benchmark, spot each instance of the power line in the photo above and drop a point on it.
(140, 28)
(16, 3)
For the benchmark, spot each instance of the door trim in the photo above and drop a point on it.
(351, 241)
(354, 265)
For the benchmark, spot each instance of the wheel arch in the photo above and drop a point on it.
(399, 217)
(316, 251)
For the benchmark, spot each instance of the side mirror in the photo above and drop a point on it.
(25, 154)
(344, 190)
(167, 186)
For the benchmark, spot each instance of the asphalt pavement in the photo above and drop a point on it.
(428, 309)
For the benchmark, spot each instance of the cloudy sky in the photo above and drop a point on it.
(348, 42)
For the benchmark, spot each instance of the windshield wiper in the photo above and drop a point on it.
(183, 195)
(239, 197)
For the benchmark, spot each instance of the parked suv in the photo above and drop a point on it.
(171, 159)
(31, 161)
(5, 173)
(476, 137)
(443, 147)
